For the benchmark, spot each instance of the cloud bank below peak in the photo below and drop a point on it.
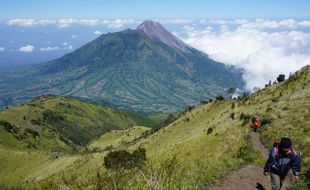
(263, 48)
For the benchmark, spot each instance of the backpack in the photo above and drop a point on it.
(254, 118)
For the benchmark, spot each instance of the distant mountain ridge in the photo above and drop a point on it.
(147, 70)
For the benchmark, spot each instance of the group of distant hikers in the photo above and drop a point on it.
(282, 158)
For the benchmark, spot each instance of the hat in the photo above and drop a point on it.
(285, 143)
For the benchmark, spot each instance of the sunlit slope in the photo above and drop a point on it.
(207, 141)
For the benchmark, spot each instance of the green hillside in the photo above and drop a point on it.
(195, 151)
(53, 122)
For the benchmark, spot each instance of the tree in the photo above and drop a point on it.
(231, 90)
(256, 89)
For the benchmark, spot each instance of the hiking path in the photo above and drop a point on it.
(251, 176)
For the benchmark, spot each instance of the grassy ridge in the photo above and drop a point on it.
(52, 122)
(197, 149)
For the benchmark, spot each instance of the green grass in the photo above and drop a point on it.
(117, 138)
(193, 152)
(64, 123)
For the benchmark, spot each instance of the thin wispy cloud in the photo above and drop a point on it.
(175, 21)
(109, 23)
(67, 46)
(118, 23)
(64, 23)
(48, 48)
(2, 49)
(26, 49)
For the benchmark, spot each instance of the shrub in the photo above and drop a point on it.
(210, 130)
(34, 133)
(266, 119)
(269, 109)
(122, 159)
(189, 108)
(52, 116)
(233, 105)
(274, 99)
(245, 118)
(35, 122)
(232, 115)
(219, 98)
(204, 102)
(245, 153)
(8, 126)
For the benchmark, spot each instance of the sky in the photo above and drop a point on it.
(264, 37)
(142, 9)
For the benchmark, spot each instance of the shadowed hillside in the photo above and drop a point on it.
(55, 122)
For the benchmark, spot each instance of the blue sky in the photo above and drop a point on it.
(139, 9)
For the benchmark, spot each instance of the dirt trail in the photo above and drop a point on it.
(251, 176)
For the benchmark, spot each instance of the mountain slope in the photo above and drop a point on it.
(53, 122)
(195, 151)
(146, 70)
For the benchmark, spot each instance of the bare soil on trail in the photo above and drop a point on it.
(251, 176)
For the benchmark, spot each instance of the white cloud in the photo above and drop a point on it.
(73, 36)
(97, 32)
(21, 22)
(261, 53)
(305, 23)
(2, 49)
(65, 43)
(117, 23)
(174, 21)
(48, 48)
(89, 22)
(64, 23)
(26, 49)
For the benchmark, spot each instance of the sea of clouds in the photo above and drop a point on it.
(263, 48)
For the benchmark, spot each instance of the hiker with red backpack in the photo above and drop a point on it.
(282, 158)
(255, 123)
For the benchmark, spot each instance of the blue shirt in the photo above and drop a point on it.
(281, 164)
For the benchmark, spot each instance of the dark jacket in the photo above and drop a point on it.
(281, 164)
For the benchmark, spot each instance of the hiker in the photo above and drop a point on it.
(255, 123)
(282, 158)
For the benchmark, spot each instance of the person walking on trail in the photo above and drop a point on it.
(255, 123)
(282, 158)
